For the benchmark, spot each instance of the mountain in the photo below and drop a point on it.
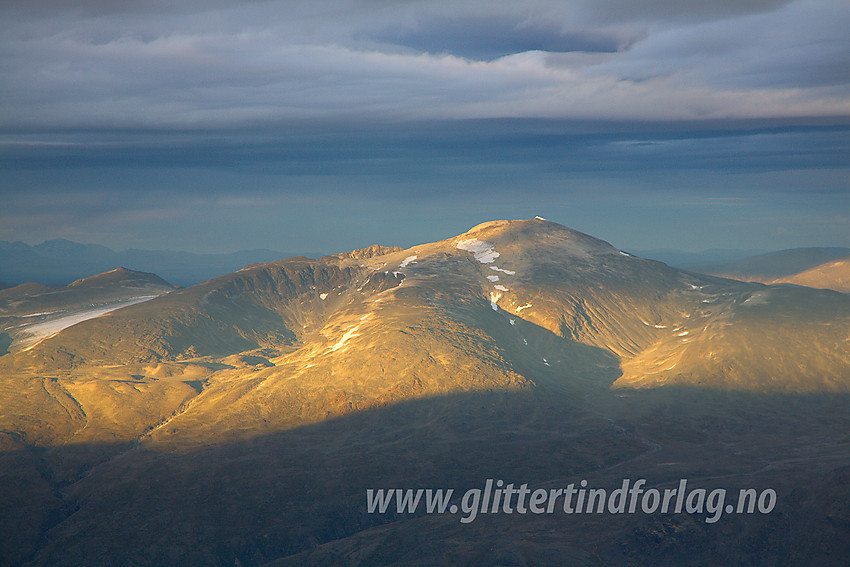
(57, 262)
(243, 420)
(31, 312)
(776, 266)
(661, 325)
(829, 275)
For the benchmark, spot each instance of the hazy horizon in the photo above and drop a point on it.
(318, 253)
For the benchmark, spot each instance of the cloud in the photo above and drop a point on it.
(214, 81)
(676, 11)
(223, 124)
(804, 45)
(493, 36)
(248, 63)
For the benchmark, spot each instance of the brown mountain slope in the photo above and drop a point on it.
(269, 305)
(31, 312)
(821, 268)
(121, 277)
(114, 285)
(767, 267)
(16, 292)
(509, 304)
(831, 275)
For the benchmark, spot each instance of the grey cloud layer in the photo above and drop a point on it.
(803, 45)
(678, 10)
(490, 37)
(235, 63)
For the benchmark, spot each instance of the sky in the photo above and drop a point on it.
(220, 125)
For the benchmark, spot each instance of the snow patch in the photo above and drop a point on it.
(539, 218)
(408, 260)
(494, 298)
(481, 250)
(509, 272)
(349, 334)
(493, 278)
(38, 314)
(500, 287)
(757, 298)
(526, 306)
(323, 296)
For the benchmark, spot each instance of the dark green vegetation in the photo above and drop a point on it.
(240, 421)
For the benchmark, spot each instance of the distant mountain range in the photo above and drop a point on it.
(57, 262)
(689, 260)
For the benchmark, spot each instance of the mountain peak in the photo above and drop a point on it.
(509, 224)
(368, 252)
(537, 232)
(121, 276)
